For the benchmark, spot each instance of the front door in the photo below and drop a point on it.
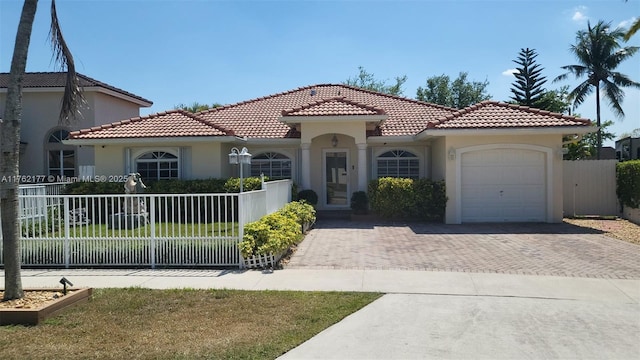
(336, 175)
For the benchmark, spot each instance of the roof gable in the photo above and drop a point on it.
(338, 106)
(493, 114)
(175, 123)
(59, 80)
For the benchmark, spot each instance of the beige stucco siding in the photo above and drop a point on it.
(197, 160)
(549, 143)
(438, 159)
(110, 109)
(356, 130)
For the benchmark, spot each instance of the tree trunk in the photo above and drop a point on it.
(599, 134)
(9, 156)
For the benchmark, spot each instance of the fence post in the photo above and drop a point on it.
(152, 223)
(67, 233)
(241, 220)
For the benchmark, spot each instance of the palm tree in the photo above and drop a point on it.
(10, 136)
(599, 53)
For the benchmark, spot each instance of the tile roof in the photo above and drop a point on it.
(174, 123)
(58, 80)
(493, 114)
(338, 106)
(259, 118)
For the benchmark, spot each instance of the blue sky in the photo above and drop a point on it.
(175, 52)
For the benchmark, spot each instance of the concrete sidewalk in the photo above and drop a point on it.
(386, 281)
(429, 314)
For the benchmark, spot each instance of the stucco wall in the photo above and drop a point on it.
(199, 160)
(438, 159)
(110, 109)
(552, 142)
(40, 114)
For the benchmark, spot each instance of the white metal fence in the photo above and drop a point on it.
(589, 188)
(181, 230)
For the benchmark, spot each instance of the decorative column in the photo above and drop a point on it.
(362, 167)
(306, 166)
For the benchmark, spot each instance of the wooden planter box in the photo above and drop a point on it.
(35, 316)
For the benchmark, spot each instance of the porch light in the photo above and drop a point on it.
(240, 157)
(334, 140)
(452, 154)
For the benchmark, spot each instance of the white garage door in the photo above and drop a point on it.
(503, 185)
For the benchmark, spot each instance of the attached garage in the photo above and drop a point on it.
(504, 185)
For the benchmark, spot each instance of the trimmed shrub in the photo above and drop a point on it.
(308, 196)
(628, 183)
(392, 197)
(360, 202)
(201, 186)
(248, 184)
(401, 198)
(277, 232)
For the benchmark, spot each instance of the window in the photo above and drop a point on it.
(157, 165)
(398, 163)
(61, 159)
(273, 165)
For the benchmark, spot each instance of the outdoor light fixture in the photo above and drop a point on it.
(334, 140)
(64, 283)
(240, 158)
(452, 154)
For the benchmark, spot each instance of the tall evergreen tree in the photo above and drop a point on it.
(527, 88)
(599, 53)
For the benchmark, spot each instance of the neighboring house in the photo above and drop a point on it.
(628, 148)
(41, 152)
(500, 162)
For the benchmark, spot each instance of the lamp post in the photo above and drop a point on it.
(240, 157)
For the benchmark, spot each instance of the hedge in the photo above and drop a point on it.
(276, 232)
(403, 198)
(628, 183)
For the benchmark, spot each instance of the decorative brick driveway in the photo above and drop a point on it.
(533, 249)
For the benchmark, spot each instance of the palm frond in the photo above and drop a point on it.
(579, 94)
(72, 100)
(615, 96)
(632, 30)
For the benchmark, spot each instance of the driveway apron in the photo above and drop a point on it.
(530, 249)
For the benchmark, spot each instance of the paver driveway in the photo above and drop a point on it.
(542, 249)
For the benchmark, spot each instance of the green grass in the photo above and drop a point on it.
(161, 230)
(139, 323)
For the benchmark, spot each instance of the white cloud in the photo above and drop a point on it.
(579, 14)
(626, 23)
(509, 72)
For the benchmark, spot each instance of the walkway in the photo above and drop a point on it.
(528, 249)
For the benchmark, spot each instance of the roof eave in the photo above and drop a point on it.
(375, 139)
(54, 89)
(149, 140)
(273, 141)
(561, 130)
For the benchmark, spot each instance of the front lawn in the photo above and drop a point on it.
(186, 324)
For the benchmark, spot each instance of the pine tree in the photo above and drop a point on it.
(527, 89)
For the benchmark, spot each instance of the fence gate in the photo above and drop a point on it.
(589, 188)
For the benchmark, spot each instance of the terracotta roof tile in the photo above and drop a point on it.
(259, 118)
(174, 123)
(338, 106)
(58, 80)
(493, 114)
